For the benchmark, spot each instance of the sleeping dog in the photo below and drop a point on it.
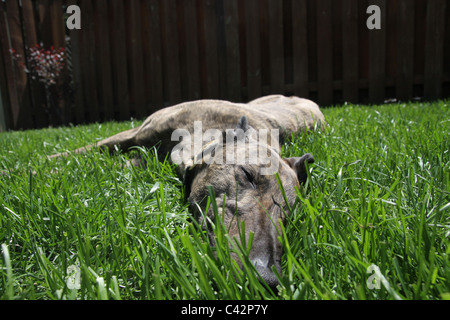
(235, 149)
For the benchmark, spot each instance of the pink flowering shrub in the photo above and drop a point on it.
(44, 65)
(48, 67)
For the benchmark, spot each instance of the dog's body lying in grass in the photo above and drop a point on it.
(247, 190)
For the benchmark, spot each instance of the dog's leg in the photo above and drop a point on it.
(123, 140)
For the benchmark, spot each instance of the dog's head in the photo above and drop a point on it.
(247, 190)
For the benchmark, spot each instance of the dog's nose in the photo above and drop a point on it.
(265, 271)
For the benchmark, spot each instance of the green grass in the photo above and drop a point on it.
(378, 194)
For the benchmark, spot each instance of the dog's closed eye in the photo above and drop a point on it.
(249, 177)
(275, 202)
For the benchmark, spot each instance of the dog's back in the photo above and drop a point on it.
(288, 114)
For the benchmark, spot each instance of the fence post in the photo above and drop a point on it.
(2, 115)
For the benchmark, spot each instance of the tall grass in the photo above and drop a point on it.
(89, 227)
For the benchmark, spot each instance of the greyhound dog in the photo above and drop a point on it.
(247, 190)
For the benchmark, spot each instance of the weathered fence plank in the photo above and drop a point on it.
(38, 99)
(119, 60)
(209, 48)
(233, 54)
(20, 112)
(88, 63)
(276, 46)
(434, 48)
(191, 75)
(171, 58)
(405, 50)
(324, 52)
(135, 58)
(253, 49)
(377, 57)
(5, 87)
(300, 48)
(103, 56)
(153, 54)
(350, 53)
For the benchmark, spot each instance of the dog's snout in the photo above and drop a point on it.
(264, 269)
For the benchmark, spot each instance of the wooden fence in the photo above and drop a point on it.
(133, 57)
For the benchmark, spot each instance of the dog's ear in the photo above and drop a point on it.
(243, 124)
(242, 131)
(298, 164)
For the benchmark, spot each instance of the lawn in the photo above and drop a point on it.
(372, 222)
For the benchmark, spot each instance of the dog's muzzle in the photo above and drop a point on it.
(264, 269)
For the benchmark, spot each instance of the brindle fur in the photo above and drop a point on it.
(249, 196)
